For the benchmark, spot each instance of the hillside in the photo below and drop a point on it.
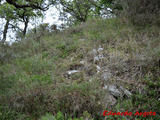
(82, 71)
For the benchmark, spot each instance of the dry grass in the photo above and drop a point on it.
(128, 54)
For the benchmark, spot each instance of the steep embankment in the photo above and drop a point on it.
(82, 71)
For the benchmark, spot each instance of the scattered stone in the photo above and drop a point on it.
(117, 92)
(90, 80)
(97, 54)
(94, 51)
(72, 58)
(96, 59)
(126, 92)
(98, 69)
(72, 72)
(105, 87)
(100, 49)
(106, 76)
(101, 56)
(82, 62)
(113, 90)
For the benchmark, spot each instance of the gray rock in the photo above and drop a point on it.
(98, 69)
(100, 56)
(72, 72)
(126, 92)
(82, 62)
(96, 59)
(100, 49)
(117, 92)
(94, 51)
(113, 90)
(106, 76)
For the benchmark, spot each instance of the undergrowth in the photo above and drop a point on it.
(35, 85)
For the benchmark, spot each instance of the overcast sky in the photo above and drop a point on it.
(51, 16)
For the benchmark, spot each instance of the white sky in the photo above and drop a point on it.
(51, 17)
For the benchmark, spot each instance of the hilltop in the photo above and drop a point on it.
(103, 64)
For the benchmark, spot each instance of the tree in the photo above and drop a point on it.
(78, 9)
(114, 5)
(34, 4)
(25, 15)
(13, 15)
(7, 13)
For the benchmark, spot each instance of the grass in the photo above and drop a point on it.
(35, 84)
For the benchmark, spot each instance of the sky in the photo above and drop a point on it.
(51, 16)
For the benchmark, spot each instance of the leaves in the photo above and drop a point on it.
(14, 15)
(7, 11)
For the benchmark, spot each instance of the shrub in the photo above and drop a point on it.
(47, 117)
(6, 53)
(72, 100)
(58, 116)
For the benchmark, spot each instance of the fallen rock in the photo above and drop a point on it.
(72, 72)
(100, 56)
(126, 92)
(82, 62)
(100, 49)
(96, 59)
(117, 92)
(97, 54)
(113, 90)
(98, 69)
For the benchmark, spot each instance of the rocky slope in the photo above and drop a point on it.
(82, 71)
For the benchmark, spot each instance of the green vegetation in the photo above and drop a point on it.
(105, 57)
(35, 83)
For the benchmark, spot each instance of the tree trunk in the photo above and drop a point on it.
(5, 31)
(25, 27)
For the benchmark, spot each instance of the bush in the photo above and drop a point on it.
(72, 100)
(58, 116)
(6, 53)
(142, 12)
